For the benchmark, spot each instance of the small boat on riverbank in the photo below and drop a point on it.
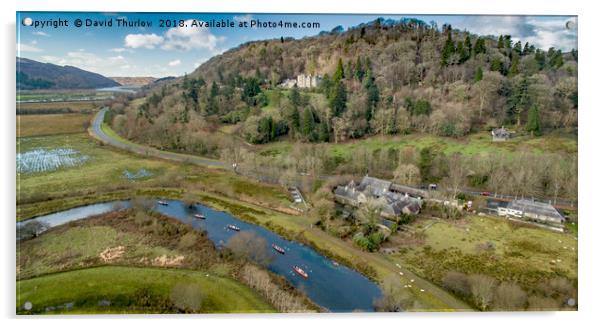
(278, 249)
(199, 216)
(234, 228)
(163, 203)
(300, 272)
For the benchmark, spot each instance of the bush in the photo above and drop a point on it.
(457, 282)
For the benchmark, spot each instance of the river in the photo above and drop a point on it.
(330, 285)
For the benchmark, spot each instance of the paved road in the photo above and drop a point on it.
(97, 132)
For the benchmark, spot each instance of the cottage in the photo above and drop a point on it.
(393, 203)
(500, 134)
(539, 212)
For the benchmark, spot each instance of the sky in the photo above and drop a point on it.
(171, 50)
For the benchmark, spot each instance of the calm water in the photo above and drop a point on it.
(120, 89)
(334, 287)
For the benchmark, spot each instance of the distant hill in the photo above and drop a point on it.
(134, 81)
(32, 74)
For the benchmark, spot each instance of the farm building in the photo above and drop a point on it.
(500, 134)
(534, 211)
(393, 203)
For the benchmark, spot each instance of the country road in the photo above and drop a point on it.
(96, 131)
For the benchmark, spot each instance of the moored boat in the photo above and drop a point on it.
(300, 272)
(199, 215)
(163, 203)
(278, 249)
(234, 228)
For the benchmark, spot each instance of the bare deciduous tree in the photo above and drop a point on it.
(248, 245)
(482, 288)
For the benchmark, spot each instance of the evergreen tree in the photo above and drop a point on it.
(478, 75)
(214, 90)
(468, 46)
(326, 85)
(496, 66)
(359, 69)
(518, 48)
(338, 99)
(480, 46)
(500, 42)
(533, 121)
(324, 132)
(540, 58)
(519, 100)
(307, 122)
(373, 94)
(513, 67)
(295, 97)
(339, 73)
(448, 49)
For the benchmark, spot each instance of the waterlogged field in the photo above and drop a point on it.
(102, 171)
(42, 160)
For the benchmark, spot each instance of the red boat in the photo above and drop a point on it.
(234, 228)
(277, 248)
(199, 215)
(163, 203)
(300, 271)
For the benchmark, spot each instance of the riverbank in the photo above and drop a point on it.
(299, 228)
(140, 238)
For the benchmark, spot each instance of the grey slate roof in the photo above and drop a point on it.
(536, 208)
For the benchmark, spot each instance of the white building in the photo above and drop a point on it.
(302, 81)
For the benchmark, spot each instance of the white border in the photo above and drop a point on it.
(589, 158)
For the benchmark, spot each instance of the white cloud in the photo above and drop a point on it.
(178, 38)
(40, 33)
(245, 18)
(174, 63)
(189, 38)
(109, 66)
(543, 32)
(148, 41)
(120, 50)
(23, 47)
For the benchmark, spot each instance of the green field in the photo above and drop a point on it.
(62, 95)
(133, 290)
(101, 178)
(45, 125)
(103, 171)
(58, 106)
(496, 247)
(479, 143)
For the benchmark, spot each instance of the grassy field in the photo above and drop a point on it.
(43, 125)
(473, 144)
(61, 95)
(133, 290)
(103, 171)
(491, 246)
(132, 237)
(101, 178)
(72, 106)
